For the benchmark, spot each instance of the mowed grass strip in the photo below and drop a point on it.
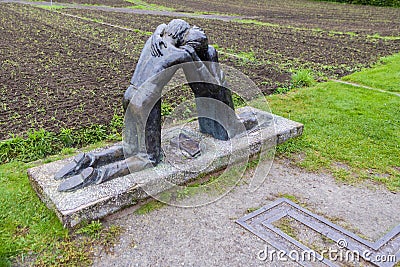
(385, 75)
(352, 132)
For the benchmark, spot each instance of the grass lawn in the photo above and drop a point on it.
(25, 222)
(28, 229)
(385, 75)
(351, 131)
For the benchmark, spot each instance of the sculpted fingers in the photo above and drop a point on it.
(156, 45)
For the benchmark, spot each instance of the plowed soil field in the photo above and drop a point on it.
(64, 72)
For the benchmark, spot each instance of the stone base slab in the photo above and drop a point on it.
(97, 201)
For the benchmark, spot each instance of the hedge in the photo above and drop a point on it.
(390, 3)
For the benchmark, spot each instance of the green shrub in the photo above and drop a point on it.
(389, 3)
(38, 144)
(302, 78)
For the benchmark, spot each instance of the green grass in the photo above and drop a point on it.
(385, 75)
(285, 225)
(166, 109)
(52, 7)
(29, 229)
(344, 124)
(213, 13)
(247, 57)
(38, 144)
(26, 224)
(256, 22)
(386, 38)
(149, 207)
(140, 4)
(290, 197)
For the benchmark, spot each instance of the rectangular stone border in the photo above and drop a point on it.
(260, 223)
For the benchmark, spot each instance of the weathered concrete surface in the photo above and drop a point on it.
(97, 201)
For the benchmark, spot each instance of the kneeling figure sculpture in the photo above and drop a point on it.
(173, 46)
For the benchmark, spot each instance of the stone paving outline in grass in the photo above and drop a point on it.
(260, 223)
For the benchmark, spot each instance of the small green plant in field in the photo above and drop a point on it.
(77, 249)
(142, 32)
(184, 192)
(247, 56)
(244, 57)
(213, 13)
(389, 3)
(302, 78)
(28, 226)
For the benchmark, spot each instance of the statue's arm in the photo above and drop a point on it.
(157, 41)
(214, 66)
(198, 71)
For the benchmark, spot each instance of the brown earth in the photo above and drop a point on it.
(276, 49)
(52, 77)
(302, 13)
(62, 72)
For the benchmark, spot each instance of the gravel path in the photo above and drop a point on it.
(209, 236)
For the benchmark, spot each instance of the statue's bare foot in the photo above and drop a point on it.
(79, 163)
(86, 177)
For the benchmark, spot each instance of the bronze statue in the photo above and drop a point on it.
(172, 46)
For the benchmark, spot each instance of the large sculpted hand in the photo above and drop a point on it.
(157, 41)
(191, 51)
